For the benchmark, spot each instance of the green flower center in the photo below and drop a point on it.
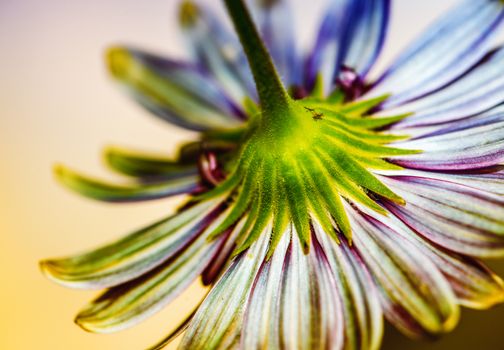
(300, 160)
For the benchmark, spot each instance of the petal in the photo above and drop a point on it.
(494, 115)
(491, 182)
(128, 304)
(274, 20)
(444, 52)
(261, 327)
(416, 298)
(470, 144)
(215, 48)
(218, 322)
(362, 315)
(478, 91)
(179, 93)
(352, 34)
(459, 218)
(131, 192)
(300, 311)
(366, 34)
(324, 60)
(133, 255)
(473, 283)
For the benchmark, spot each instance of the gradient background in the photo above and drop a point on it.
(58, 105)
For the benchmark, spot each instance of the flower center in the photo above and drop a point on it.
(302, 163)
(300, 160)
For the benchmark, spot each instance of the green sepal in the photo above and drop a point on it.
(246, 193)
(264, 210)
(360, 108)
(297, 202)
(280, 220)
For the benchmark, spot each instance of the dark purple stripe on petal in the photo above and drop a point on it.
(457, 217)
(474, 143)
(445, 52)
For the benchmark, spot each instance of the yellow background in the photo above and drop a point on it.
(57, 105)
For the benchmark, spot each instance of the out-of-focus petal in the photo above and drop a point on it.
(179, 93)
(128, 304)
(218, 322)
(459, 218)
(147, 167)
(133, 255)
(352, 34)
(131, 192)
(274, 20)
(215, 48)
(415, 296)
(446, 50)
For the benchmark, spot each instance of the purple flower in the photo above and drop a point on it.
(319, 202)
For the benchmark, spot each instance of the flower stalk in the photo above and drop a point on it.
(272, 94)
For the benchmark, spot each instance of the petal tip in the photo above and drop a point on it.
(119, 61)
(188, 13)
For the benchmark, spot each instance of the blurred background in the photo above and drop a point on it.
(58, 105)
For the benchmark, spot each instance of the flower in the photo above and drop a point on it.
(315, 212)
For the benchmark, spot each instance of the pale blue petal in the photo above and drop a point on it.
(450, 47)
(476, 92)
(177, 92)
(218, 50)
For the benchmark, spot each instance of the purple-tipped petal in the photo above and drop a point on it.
(447, 50)
(366, 35)
(323, 60)
(491, 181)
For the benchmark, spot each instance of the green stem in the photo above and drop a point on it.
(272, 94)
